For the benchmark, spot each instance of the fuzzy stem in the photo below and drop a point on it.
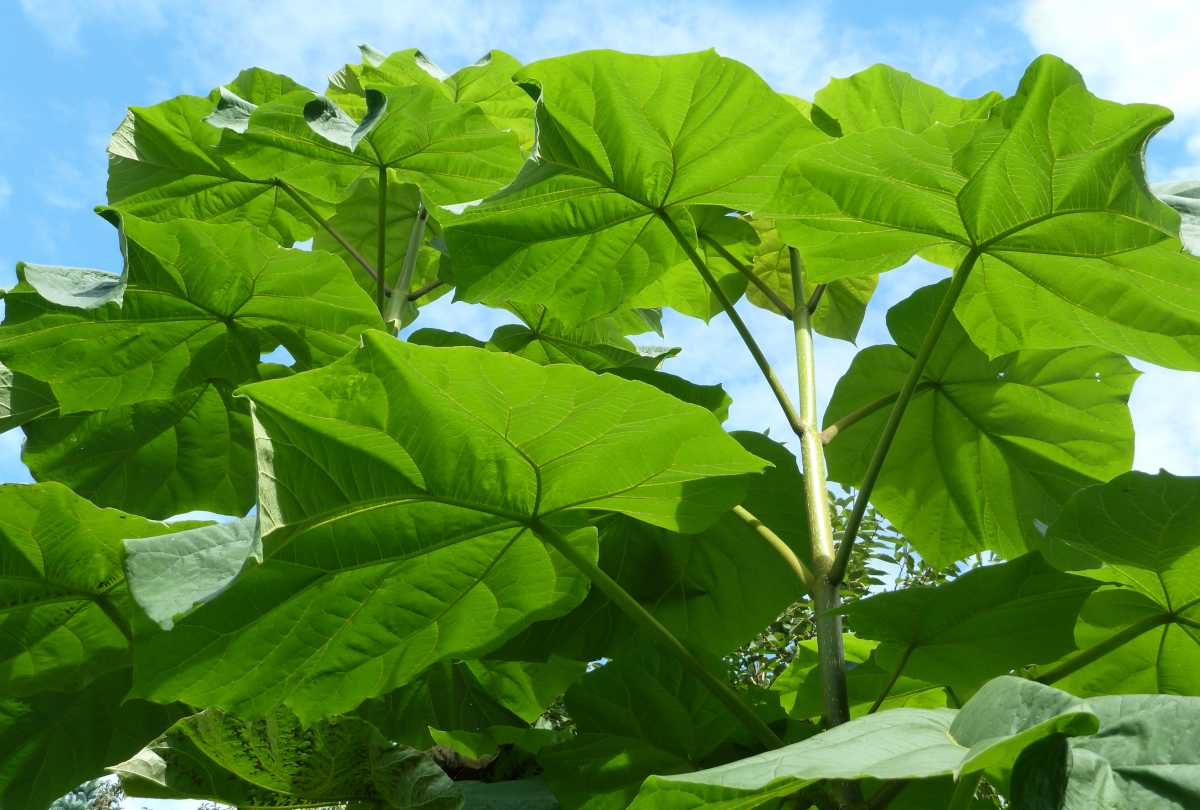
(932, 335)
(789, 410)
(400, 293)
(635, 611)
(781, 548)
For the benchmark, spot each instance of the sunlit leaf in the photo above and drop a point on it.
(989, 450)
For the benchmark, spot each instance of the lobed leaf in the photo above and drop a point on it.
(394, 510)
(989, 449)
(1048, 193)
(622, 139)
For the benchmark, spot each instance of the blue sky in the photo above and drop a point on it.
(72, 66)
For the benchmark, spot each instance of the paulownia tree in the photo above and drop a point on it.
(447, 529)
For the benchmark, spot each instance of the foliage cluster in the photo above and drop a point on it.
(449, 529)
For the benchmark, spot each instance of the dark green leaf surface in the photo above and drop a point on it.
(53, 741)
(162, 165)
(522, 794)
(989, 450)
(63, 601)
(640, 714)
(1139, 532)
(142, 365)
(985, 623)
(277, 762)
(395, 494)
(1049, 191)
(22, 399)
(620, 139)
(989, 733)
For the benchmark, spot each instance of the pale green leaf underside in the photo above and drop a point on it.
(1144, 756)
(621, 138)
(1049, 189)
(396, 488)
(1184, 197)
(1139, 532)
(969, 469)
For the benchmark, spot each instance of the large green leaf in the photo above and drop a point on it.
(989, 450)
(397, 491)
(985, 623)
(988, 734)
(879, 96)
(277, 762)
(162, 165)
(599, 344)
(1049, 192)
(1141, 533)
(452, 152)
(63, 602)
(713, 590)
(348, 85)
(1144, 756)
(621, 139)
(142, 365)
(639, 714)
(53, 741)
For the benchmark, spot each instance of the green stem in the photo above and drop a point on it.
(400, 293)
(1097, 651)
(329, 229)
(831, 432)
(635, 611)
(815, 299)
(781, 548)
(826, 596)
(964, 791)
(932, 335)
(425, 289)
(887, 688)
(789, 410)
(740, 266)
(381, 250)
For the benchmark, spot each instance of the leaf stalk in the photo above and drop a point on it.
(645, 619)
(1097, 651)
(381, 244)
(783, 549)
(785, 402)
